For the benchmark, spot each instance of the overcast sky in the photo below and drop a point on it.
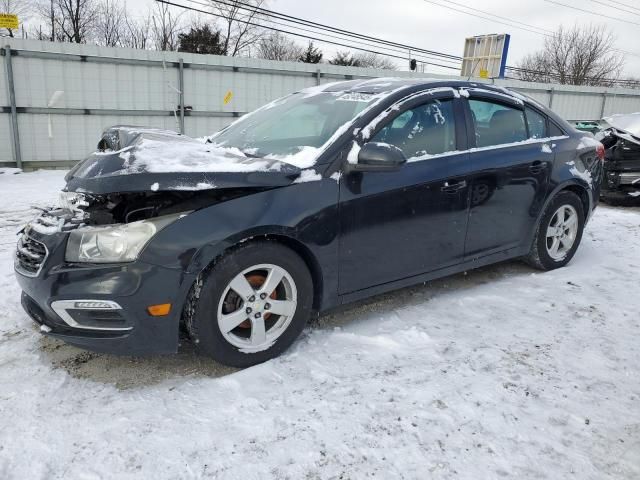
(425, 25)
(432, 27)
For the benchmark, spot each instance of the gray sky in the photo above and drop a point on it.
(425, 25)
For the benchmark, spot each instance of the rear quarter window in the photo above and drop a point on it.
(554, 130)
(537, 123)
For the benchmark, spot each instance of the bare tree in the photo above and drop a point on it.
(137, 32)
(22, 8)
(577, 56)
(110, 24)
(344, 59)
(279, 47)
(46, 10)
(372, 60)
(75, 19)
(239, 19)
(362, 59)
(165, 27)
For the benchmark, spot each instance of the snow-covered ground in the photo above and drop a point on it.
(501, 373)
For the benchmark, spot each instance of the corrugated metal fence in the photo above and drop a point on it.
(56, 98)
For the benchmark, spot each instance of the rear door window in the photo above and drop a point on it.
(496, 123)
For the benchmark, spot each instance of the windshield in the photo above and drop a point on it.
(294, 128)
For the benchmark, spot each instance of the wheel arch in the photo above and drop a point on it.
(309, 259)
(572, 186)
(582, 193)
(202, 266)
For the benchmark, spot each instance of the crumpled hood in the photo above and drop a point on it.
(132, 159)
(626, 123)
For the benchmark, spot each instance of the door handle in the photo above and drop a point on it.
(455, 187)
(537, 166)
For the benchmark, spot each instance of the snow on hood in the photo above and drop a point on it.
(162, 151)
(139, 159)
(628, 123)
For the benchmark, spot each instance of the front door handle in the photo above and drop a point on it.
(454, 187)
(537, 166)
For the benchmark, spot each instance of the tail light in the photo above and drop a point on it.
(600, 152)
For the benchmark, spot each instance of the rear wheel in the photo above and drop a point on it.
(253, 304)
(559, 232)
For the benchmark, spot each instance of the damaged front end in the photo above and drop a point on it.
(622, 157)
(81, 264)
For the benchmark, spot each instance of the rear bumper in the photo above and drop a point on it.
(63, 300)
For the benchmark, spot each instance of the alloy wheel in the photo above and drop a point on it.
(256, 307)
(562, 232)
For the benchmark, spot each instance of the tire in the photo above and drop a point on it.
(219, 304)
(550, 233)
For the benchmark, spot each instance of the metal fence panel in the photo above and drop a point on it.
(6, 155)
(621, 104)
(73, 136)
(107, 86)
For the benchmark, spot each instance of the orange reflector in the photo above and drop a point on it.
(159, 310)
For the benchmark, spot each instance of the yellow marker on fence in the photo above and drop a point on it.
(8, 20)
(484, 73)
(227, 98)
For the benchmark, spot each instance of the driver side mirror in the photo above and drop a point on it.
(378, 157)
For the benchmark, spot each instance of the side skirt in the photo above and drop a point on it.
(426, 277)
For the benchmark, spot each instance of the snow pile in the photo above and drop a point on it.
(309, 175)
(501, 373)
(546, 148)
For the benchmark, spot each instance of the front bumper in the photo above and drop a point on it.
(62, 299)
(621, 184)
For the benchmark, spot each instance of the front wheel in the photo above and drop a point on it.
(253, 304)
(559, 232)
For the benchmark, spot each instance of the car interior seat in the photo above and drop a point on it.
(506, 126)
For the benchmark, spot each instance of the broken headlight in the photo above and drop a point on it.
(114, 243)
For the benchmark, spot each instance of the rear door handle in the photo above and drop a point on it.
(537, 166)
(454, 187)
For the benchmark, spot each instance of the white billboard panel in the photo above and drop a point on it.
(485, 56)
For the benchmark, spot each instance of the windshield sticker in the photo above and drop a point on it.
(356, 97)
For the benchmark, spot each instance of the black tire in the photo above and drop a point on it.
(538, 256)
(204, 325)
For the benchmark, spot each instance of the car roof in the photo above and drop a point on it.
(387, 85)
(391, 85)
